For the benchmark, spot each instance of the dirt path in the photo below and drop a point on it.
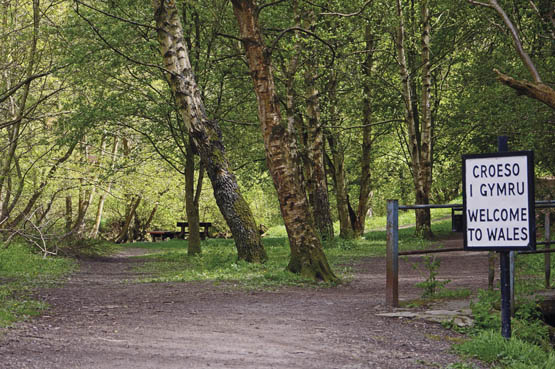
(99, 319)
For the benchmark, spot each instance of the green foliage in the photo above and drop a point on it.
(21, 271)
(491, 347)
(461, 366)
(527, 325)
(218, 262)
(431, 285)
(483, 311)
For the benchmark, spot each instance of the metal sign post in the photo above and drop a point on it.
(498, 205)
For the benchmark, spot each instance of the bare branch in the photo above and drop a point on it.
(547, 19)
(528, 63)
(480, 4)
(367, 125)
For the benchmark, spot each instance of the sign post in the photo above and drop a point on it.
(499, 214)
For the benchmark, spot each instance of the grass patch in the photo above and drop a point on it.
(22, 270)
(530, 345)
(169, 261)
(218, 263)
(491, 347)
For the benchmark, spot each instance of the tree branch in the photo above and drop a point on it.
(5, 95)
(528, 63)
(282, 33)
(97, 32)
(486, 5)
(350, 14)
(268, 5)
(115, 16)
(538, 91)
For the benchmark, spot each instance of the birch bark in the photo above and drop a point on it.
(307, 257)
(206, 133)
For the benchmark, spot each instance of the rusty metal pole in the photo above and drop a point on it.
(392, 254)
(547, 255)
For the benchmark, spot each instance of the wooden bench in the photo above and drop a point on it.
(205, 226)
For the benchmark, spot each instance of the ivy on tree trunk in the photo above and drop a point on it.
(206, 133)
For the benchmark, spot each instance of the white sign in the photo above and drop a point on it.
(498, 201)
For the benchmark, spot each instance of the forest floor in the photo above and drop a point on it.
(102, 318)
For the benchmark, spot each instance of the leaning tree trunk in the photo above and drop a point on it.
(123, 236)
(536, 90)
(40, 189)
(307, 256)
(206, 133)
(191, 207)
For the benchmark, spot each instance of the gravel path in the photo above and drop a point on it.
(100, 318)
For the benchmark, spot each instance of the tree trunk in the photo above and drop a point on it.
(17, 111)
(40, 189)
(537, 89)
(307, 256)
(102, 199)
(149, 220)
(206, 133)
(419, 139)
(338, 169)
(69, 214)
(192, 209)
(85, 198)
(317, 181)
(365, 161)
(425, 161)
(123, 236)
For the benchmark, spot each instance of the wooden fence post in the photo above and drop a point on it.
(392, 254)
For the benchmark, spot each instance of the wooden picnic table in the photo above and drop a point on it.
(182, 233)
(203, 234)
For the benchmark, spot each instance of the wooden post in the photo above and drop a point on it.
(547, 255)
(392, 254)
